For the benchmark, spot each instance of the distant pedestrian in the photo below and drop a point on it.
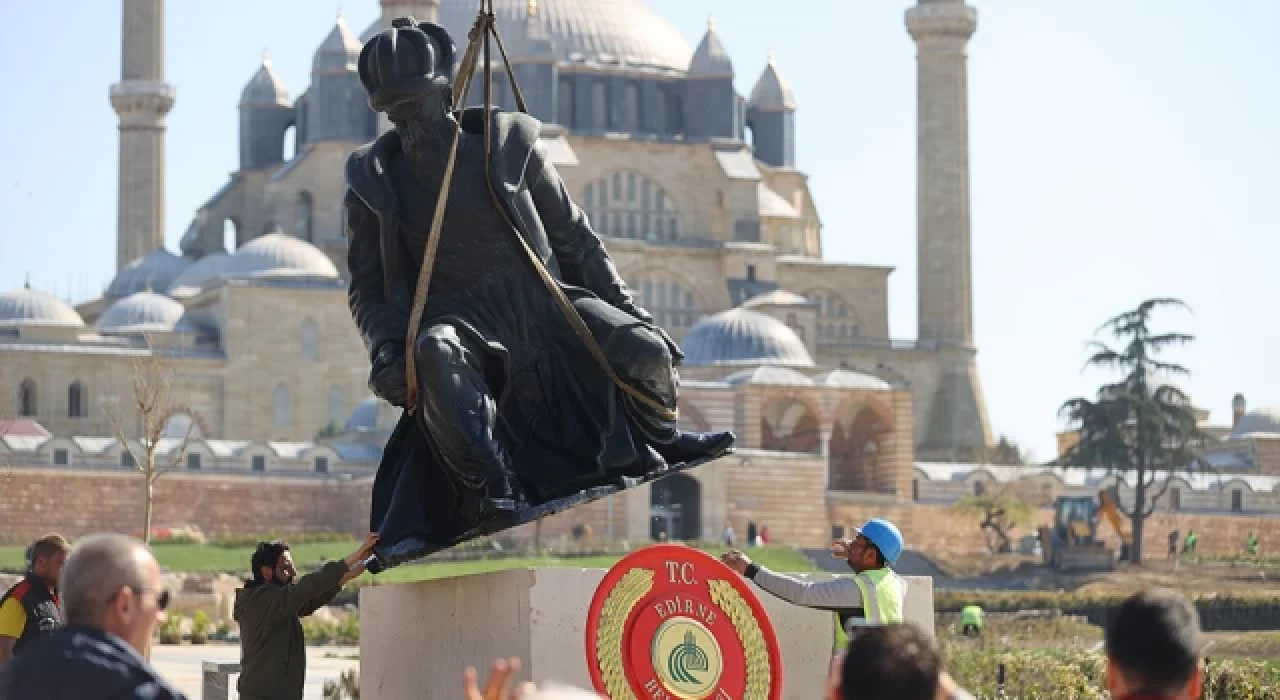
(764, 534)
(727, 536)
(751, 533)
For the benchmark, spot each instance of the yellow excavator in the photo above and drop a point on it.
(1072, 543)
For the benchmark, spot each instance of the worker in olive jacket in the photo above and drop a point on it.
(269, 610)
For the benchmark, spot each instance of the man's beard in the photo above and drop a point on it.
(426, 131)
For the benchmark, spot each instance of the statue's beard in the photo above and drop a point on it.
(426, 128)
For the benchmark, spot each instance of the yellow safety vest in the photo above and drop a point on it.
(884, 598)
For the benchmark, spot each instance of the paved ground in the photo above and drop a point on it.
(181, 665)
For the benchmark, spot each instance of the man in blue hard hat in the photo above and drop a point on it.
(873, 596)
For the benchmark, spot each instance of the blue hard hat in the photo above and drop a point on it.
(885, 536)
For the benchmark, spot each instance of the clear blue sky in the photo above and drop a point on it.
(1119, 150)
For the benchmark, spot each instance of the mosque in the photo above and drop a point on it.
(694, 189)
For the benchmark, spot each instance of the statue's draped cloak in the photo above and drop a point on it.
(560, 416)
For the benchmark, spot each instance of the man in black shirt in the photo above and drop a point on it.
(31, 607)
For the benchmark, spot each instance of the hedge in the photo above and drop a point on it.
(1231, 612)
(1042, 675)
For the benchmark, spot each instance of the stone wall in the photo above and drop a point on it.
(75, 503)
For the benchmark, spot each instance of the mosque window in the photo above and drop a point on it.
(76, 401)
(631, 107)
(193, 461)
(670, 302)
(660, 111)
(281, 407)
(127, 460)
(630, 205)
(564, 104)
(1237, 501)
(831, 308)
(258, 463)
(322, 465)
(61, 457)
(27, 403)
(310, 339)
(303, 215)
(599, 106)
(337, 405)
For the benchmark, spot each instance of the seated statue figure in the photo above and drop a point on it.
(512, 409)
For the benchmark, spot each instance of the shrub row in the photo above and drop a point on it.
(1217, 612)
(1038, 675)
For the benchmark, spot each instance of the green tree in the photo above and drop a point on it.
(1141, 428)
(1000, 513)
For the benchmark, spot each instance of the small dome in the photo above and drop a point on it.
(772, 91)
(32, 307)
(154, 271)
(850, 379)
(778, 376)
(372, 414)
(1259, 420)
(265, 89)
(339, 52)
(192, 280)
(743, 337)
(778, 297)
(140, 313)
(279, 255)
(710, 59)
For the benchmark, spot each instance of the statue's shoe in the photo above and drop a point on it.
(690, 446)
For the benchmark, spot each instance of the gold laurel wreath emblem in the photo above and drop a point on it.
(613, 619)
(759, 672)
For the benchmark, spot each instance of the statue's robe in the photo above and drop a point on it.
(565, 424)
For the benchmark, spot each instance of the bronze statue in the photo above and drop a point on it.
(514, 416)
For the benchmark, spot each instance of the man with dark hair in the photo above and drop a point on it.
(269, 609)
(896, 662)
(32, 608)
(114, 596)
(1153, 648)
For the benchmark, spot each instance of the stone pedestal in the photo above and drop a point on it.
(416, 638)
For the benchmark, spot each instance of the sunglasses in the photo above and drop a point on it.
(162, 599)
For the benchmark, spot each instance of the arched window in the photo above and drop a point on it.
(310, 340)
(337, 406)
(670, 302)
(631, 107)
(659, 116)
(230, 235)
(599, 106)
(290, 147)
(281, 407)
(834, 316)
(564, 104)
(629, 205)
(28, 404)
(303, 214)
(77, 402)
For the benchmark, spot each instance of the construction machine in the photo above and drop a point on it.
(1072, 543)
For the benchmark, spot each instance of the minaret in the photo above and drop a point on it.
(957, 425)
(142, 99)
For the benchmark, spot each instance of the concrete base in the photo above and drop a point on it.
(416, 638)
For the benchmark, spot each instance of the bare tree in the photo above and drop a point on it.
(152, 405)
(1001, 513)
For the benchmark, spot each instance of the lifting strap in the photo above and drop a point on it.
(485, 26)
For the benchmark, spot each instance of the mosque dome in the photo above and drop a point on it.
(154, 271)
(191, 281)
(851, 379)
(372, 414)
(265, 89)
(743, 337)
(1259, 420)
(600, 31)
(278, 255)
(772, 90)
(340, 51)
(777, 376)
(32, 307)
(140, 313)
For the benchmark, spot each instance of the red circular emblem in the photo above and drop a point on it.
(672, 622)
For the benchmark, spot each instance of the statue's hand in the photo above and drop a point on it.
(387, 377)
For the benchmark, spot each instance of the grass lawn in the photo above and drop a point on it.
(184, 557)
